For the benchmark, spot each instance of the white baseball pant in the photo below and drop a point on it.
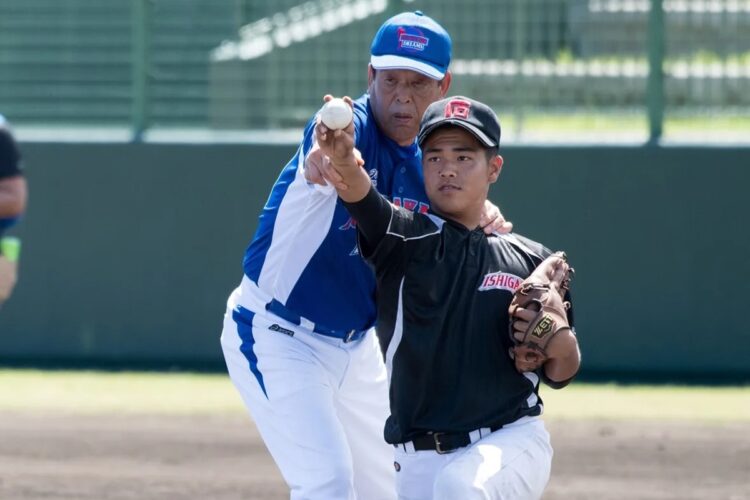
(512, 463)
(319, 403)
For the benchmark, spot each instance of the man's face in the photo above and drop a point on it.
(458, 173)
(399, 98)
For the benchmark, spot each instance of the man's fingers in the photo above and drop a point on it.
(490, 213)
(312, 166)
(331, 174)
(340, 186)
(489, 227)
(498, 225)
(492, 220)
(312, 175)
(321, 131)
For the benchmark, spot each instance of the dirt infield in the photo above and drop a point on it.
(209, 457)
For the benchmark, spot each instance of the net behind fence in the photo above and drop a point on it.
(552, 69)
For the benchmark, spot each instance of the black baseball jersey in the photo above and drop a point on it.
(9, 155)
(443, 298)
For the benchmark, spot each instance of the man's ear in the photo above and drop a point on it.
(496, 165)
(370, 75)
(445, 83)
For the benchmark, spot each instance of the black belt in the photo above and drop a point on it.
(282, 312)
(444, 442)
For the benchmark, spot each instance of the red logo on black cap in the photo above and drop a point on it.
(457, 108)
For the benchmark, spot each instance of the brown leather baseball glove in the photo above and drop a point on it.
(542, 293)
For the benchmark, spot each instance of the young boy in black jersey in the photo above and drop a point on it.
(464, 416)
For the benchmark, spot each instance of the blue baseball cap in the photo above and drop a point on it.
(412, 41)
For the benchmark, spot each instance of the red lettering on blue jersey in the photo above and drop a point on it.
(411, 205)
(351, 223)
(407, 203)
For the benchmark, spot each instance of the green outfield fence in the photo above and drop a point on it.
(553, 69)
(130, 251)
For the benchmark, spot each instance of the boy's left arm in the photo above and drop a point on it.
(542, 323)
(564, 360)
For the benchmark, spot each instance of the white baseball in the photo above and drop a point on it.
(336, 114)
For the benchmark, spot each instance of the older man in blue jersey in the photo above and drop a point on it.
(298, 334)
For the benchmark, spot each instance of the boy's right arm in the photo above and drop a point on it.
(317, 165)
(371, 211)
(344, 161)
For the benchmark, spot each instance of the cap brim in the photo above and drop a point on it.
(398, 62)
(481, 137)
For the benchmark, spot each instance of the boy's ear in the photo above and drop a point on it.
(496, 165)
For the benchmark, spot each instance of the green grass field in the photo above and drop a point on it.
(92, 392)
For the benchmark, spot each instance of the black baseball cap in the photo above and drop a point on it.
(473, 116)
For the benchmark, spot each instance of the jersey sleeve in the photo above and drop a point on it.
(10, 157)
(385, 230)
(308, 136)
(361, 131)
(404, 229)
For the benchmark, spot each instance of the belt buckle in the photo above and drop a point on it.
(438, 447)
(349, 336)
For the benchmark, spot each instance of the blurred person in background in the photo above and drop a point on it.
(12, 204)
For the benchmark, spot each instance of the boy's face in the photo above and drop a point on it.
(458, 173)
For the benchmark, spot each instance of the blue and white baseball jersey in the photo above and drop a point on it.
(304, 254)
